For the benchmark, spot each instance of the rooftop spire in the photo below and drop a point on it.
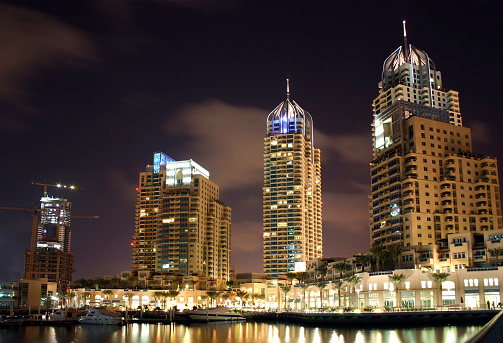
(288, 89)
(405, 45)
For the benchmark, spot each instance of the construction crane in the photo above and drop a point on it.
(45, 184)
(36, 210)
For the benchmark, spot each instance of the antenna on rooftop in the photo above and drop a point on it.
(288, 89)
(405, 45)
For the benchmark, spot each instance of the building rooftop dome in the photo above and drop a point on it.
(407, 55)
(289, 118)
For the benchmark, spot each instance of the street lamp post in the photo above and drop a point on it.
(358, 298)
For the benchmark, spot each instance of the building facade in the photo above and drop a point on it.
(52, 258)
(426, 182)
(292, 229)
(470, 288)
(180, 224)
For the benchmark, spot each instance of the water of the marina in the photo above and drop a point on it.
(231, 332)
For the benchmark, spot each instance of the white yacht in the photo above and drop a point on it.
(65, 315)
(214, 314)
(100, 316)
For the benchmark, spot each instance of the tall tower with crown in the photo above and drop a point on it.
(292, 230)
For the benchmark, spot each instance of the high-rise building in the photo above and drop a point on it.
(292, 229)
(426, 182)
(52, 258)
(180, 224)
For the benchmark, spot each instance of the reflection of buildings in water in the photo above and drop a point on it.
(233, 332)
(97, 333)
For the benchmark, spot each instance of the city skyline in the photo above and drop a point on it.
(87, 101)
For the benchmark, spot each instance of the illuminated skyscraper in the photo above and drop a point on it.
(292, 230)
(181, 225)
(52, 258)
(426, 181)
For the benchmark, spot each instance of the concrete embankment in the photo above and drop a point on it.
(491, 332)
(391, 319)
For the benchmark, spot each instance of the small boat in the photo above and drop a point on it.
(214, 314)
(101, 316)
(12, 321)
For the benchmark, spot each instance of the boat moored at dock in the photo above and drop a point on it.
(101, 316)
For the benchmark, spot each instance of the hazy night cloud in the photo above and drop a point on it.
(225, 139)
(229, 139)
(481, 132)
(29, 40)
(121, 182)
(247, 236)
(345, 214)
(352, 148)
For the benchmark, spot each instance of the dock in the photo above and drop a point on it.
(373, 319)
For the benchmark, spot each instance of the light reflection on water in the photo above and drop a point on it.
(231, 332)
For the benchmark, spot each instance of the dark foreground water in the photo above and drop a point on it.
(231, 332)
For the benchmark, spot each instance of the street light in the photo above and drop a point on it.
(358, 298)
(391, 288)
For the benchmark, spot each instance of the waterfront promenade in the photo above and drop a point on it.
(382, 319)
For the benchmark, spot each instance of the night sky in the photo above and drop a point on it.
(89, 90)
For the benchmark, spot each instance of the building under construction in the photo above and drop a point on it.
(50, 256)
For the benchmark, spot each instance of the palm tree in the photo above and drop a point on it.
(173, 284)
(304, 287)
(115, 282)
(395, 250)
(133, 281)
(241, 295)
(338, 285)
(439, 278)
(302, 276)
(84, 283)
(321, 286)
(172, 294)
(212, 295)
(341, 267)
(108, 293)
(99, 283)
(285, 290)
(129, 296)
(85, 295)
(192, 285)
(379, 253)
(259, 297)
(353, 280)
(157, 295)
(63, 296)
(226, 296)
(362, 259)
(163, 295)
(497, 252)
(396, 280)
(322, 271)
(247, 298)
(291, 276)
(71, 296)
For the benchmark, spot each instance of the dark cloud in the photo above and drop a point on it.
(31, 40)
(227, 140)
